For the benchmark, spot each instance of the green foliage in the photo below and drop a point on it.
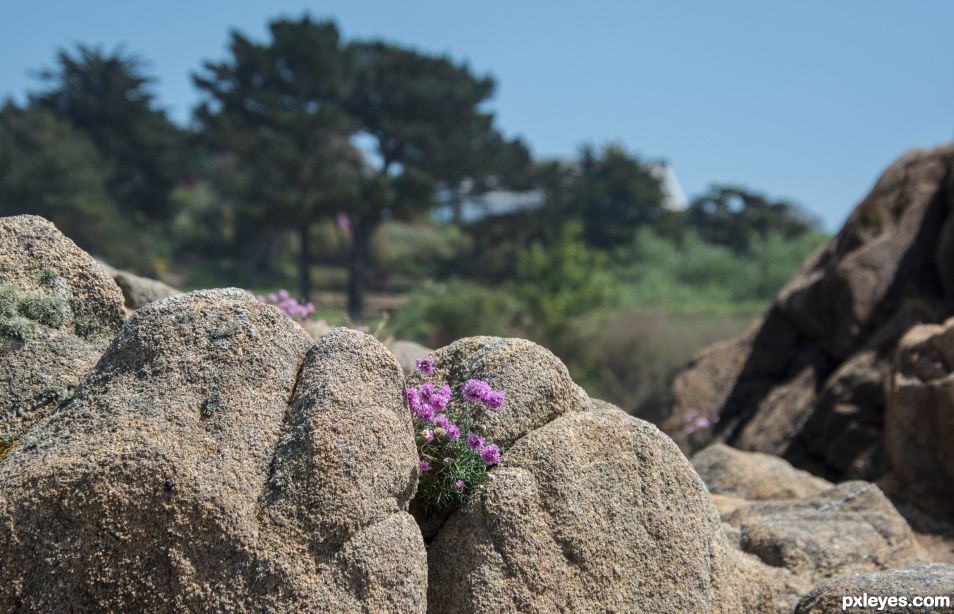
(417, 250)
(47, 310)
(107, 97)
(733, 217)
(8, 301)
(48, 277)
(16, 328)
(614, 193)
(695, 275)
(18, 313)
(563, 280)
(440, 313)
(48, 168)
(436, 489)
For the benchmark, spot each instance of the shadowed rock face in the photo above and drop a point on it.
(919, 424)
(58, 311)
(809, 384)
(216, 460)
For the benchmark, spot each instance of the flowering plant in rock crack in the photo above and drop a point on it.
(454, 451)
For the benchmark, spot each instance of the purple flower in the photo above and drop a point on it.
(490, 454)
(495, 399)
(440, 399)
(459, 484)
(475, 441)
(425, 365)
(453, 433)
(427, 391)
(424, 465)
(441, 421)
(475, 390)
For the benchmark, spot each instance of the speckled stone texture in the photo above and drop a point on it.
(753, 476)
(594, 512)
(909, 582)
(42, 370)
(851, 527)
(217, 460)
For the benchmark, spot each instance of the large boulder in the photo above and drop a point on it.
(851, 527)
(753, 476)
(924, 589)
(58, 311)
(919, 423)
(595, 511)
(139, 291)
(809, 383)
(216, 460)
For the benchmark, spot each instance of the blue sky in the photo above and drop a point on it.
(808, 100)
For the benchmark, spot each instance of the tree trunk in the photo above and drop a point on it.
(304, 263)
(361, 230)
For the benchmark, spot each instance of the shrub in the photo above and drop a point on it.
(451, 464)
(437, 314)
(47, 310)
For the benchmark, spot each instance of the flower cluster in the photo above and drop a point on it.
(451, 465)
(289, 305)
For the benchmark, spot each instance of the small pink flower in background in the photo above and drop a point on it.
(288, 305)
(343, 222)
(459, 484)
(424, 465)
(694, 422)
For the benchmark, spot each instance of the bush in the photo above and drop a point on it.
(437, 314)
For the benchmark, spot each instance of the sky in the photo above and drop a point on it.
(806, 100)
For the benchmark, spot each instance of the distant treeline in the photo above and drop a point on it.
(304, 144)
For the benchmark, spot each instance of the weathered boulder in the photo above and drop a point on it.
(753, 476)
(58, 311)
(909, 583)
(919, 423)
(809, 383)
(595, 511)
(216, 460)
(139, 291)
(538, 385)
(851, 527)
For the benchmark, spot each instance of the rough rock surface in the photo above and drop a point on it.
(538, 385)
(809, 384)
(908, 582)
(753, 476)
(58, 311)
(217, 460)
(596, 511)
(851, 527)
(919, 423)
(139, 291)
